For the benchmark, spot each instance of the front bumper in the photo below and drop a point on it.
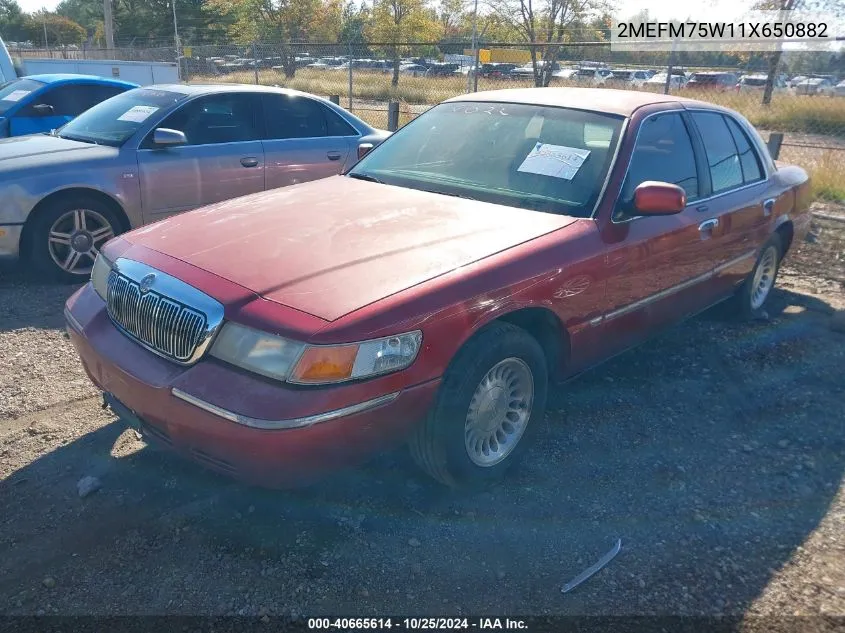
(10, 240)
(141, 385)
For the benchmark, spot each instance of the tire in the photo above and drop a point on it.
(750, 300)
(503, 353)
(89, 231)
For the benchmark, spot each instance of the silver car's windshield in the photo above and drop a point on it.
(542, 158)
(115, 120)
(13, 91)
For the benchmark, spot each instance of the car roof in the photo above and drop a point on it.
(69, 78)
(608, 101)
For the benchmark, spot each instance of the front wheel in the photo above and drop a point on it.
(491, 401)
(67, 236)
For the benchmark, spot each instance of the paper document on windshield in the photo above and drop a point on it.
(137, 114)
(557, 161)
(16, 95)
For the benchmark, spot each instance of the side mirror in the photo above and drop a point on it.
(165, 137)
(364, 149)
(42, 109)
(659, 198)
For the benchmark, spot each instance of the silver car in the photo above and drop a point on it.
(153, 152)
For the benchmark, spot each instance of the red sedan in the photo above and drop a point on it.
(499, 244)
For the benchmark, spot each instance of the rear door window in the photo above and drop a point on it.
(722, 156)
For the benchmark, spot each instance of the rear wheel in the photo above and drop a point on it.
(489, 405)
(67, 236)
(753, 294)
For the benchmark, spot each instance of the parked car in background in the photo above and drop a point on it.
(497, 70)
(153, 152)
(626, 79)
(814, 85)
(591, 76)
(757, 83)
(839, 89)
(412, 69)
(40, 103)
(443, 70)
(658, 80)
(712, 81)
(434, 292)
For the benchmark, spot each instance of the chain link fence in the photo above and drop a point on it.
(805, 118)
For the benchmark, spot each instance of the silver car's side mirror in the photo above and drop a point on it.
(164, 137)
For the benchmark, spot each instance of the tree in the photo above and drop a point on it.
(283, 22)
(60, 31)
(450, 16)
(12, 21)
(546, 24)
(398, 22)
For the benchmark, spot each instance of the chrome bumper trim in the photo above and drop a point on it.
(292, 423)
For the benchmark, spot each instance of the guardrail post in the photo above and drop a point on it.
(335, 99)
(774, 143)
(393, 116)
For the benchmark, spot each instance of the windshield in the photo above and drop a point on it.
(546, 159)
(13, 91)
(624, 74)
(115, 120)
(705, 79)
(753, 81)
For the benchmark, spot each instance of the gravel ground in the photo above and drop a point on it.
(715, 452)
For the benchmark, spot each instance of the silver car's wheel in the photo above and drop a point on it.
(499, 412)
(75, 238)
(764, 277)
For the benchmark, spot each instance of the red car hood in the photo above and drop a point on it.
(332, 246)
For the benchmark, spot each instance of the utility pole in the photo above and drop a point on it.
(176, 41)
(473, 71)
(108, 22)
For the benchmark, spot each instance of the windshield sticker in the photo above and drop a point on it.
(557, 161)
(16, 95)
(137, 114)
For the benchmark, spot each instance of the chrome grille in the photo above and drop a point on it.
(164, 325)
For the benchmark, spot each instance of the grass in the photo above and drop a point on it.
(791, 114)
(826, 169)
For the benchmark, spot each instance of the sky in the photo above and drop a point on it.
(625, 8)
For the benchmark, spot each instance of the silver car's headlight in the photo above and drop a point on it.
(282, 359)
(100, 275)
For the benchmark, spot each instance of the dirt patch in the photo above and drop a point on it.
(715, 452)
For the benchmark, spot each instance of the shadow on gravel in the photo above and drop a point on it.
(27, 301)
(712, 452)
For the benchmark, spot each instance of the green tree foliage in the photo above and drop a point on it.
(401, 21)
(12, 21)
(60, 31)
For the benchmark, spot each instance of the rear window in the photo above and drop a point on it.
(753, 81)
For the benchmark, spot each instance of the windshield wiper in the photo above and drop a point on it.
(79, 139)
(366, 177)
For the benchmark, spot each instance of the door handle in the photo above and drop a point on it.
(768, 207)
(249, 162)
(708, 225)
(333, 155)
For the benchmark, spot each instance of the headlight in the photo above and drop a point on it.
(260, 352)
(100, 275)
(282, 359)
(321, 364)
